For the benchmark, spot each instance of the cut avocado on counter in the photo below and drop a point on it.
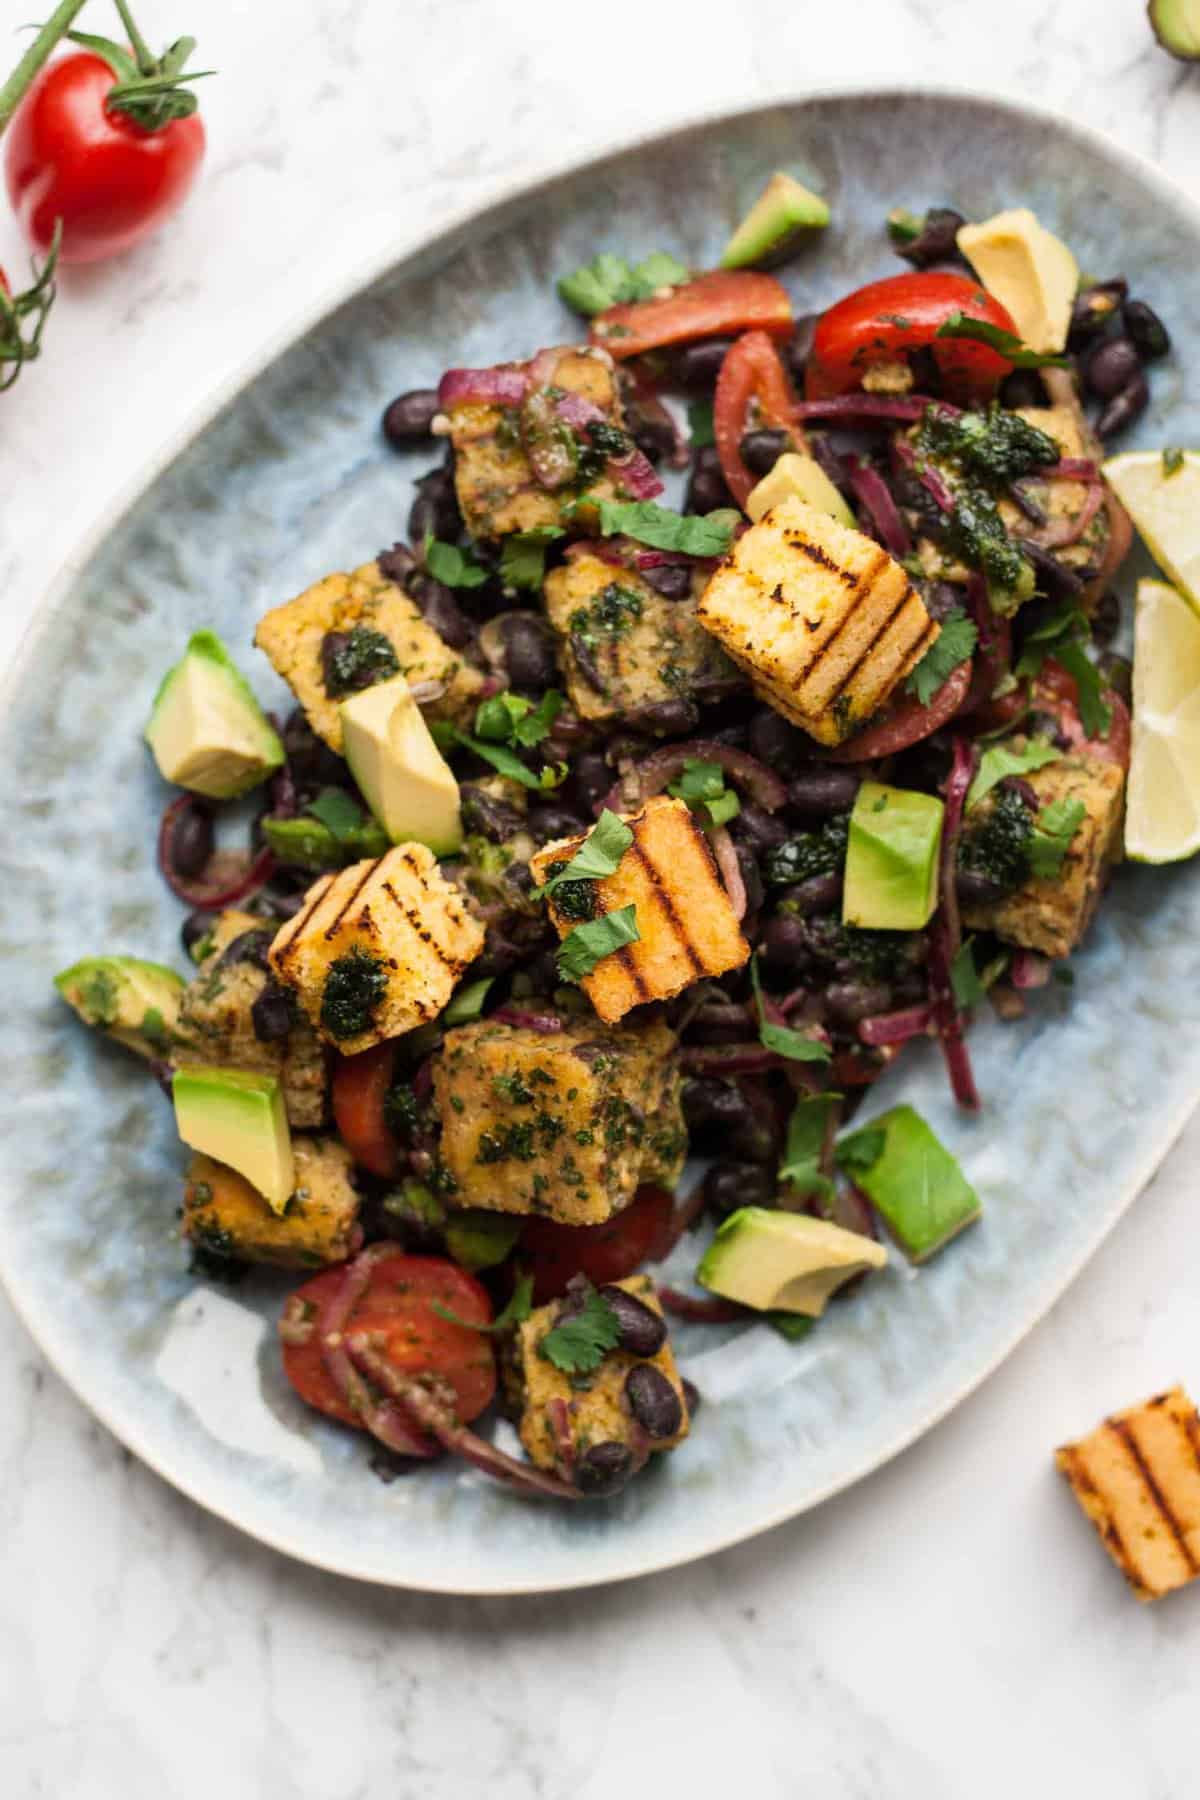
(784, 212)
(309, 844)
(1176, 25)
(239, 1119)
(911, 1179)
(784, 1261)
(135, 1002)
(481, 1240)
(206, 729)
(798, 476)
(892, 859)
(1028, 270)
(404, 778)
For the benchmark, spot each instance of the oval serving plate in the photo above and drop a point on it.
(290, 480)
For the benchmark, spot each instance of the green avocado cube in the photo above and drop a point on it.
(481, 1240)
(892, 859)
(784, 212)
(783, 1261)
(911, 1179)
(404, 777)
(206, 730)
(239, 1119)
(137, 1003)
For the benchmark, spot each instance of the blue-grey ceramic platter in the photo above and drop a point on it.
(289, 479)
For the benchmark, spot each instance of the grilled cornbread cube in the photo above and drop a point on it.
(567, 1124)
(1137, 1477)
(292, 636)
(625, 648)
(822, 619)
(687, 927)
(497, 492)
(561, 1417)
(377, 949)
(1062, 500)
(1051, 913)
(218, 1007)
(225, 1216)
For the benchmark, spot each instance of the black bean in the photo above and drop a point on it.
(604, 1469)
(1094, 307)
(1146, 329)
(819, 793)
(977, 889)
(435, 508)
(1055, 579)
(653, 1401)
(758, 829)
(819, 894)
(485, 815)
(783, 940)
(728, 1185)
(164, 1074)
(941, 599)
(761, 450)
(310, 760)
(1023, 388)
(1108, 367)
(552, 820)
(706, 490)
(441, 610)
(1106, 620)
(248, 947)
(409, 416)
(271, 1014)
(650, 426)
(664, 718)
(195, 929)
(1125, 407)
(700, 364)
(777, 743)
(938, 239)
(191, 840)
(850, 1001)
(672, 580)
(643, 1331)
(751, 879)
(712, 1102)
(691, 1394)
(528, 651)
(1118, 674)
(591, 778)
(798, 348)
(397, 563)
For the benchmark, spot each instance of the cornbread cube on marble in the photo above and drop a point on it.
(822, 619)
(225, 1216)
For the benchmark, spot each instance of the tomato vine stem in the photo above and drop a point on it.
(36, 56)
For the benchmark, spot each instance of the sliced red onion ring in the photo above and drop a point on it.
(632, 471)
(731, 874)
(895, 1027)
(729, 1059)
(993, 653)
(528, 1020)
(383, 1419)
(609, 550)
(1056, 534)
(230, 875)
(659, 770)
(502, 386)
(929, 477)
(1029, 970)
(906, 408)
(701, 1309)
(874, 495)
(1070, 468)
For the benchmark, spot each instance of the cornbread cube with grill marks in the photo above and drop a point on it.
(560, 1417)
(292, 636)
(567, 1124)
(1050, 914)
(394, 934)
(218, 1008)
(822, 619)
(688, 929)
(623, 646)
(1137, 1477)
(497, 492)
(225, 1216)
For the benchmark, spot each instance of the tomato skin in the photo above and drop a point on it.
(752, 370)
(886, 320)
(908, 721)
(360, 1087)
(714, 305)
(110, 181)
(1059, 693)
(397, 1311)
(608, 1252)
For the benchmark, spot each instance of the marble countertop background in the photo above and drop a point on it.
(947, 1629)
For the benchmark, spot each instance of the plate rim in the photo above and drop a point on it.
(300, 321)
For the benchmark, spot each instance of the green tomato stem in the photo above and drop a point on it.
(137, 43)
(38, 54)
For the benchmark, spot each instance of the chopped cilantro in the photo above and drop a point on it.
(781, 1038)
(1001, 760)
(702, 785)
(588, 944)
(580, 1342)
(1061, 634)
(954, 644)
(517, 1310)
(504, 761)
(982, 331)
(611, 281)
(597, 856)
(663, 529)
(700, 424)
(339, 812)
(858, 1153)
(789, 1325)
(1053, 833)
(454, 567)
(964, 977)
(509, 718)
(801, 1165)
(523, 556)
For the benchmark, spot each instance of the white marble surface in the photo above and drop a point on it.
(949, 1628)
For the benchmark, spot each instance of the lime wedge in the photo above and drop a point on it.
(1162, 819)
(1165, 507)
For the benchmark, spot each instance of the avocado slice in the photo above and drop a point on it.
(1028, 270)
(800, 476)
(784, 212)
(784, 1261)
(206, 729)
(1176, 25)
(239, 1119)
(892, 859)
(306, 843)
(403, 776)
(135, 1002)
(911, 1179)
(481, 1240)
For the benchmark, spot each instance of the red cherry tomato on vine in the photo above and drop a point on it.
(752, 373)
(70, 156)
(609, 1252)
(886, 321)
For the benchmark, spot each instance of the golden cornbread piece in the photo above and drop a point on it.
(292, 636)
(225, 1216)
(218, 1012)
(567, 1124)
(398, 920)
(687, 926)
(623, 646)
(822, 619)
(497, 491)
(1050, 914)
(561, 1417)
(1137, 1477)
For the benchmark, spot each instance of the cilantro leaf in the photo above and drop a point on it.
(517, 1310)
(466, 1003)
(781, 1038)
(509, 718)
(589, 943)
(1000, 760)
(964, 977)
(339, 812)
(982, 331)
(700, 424)
(523, 556)
(597, 856)
(1052, 836)
(580, 1342)
(453, 567)
(859, 1152)
(662, 529)
(609, 281)
(702, 785)
(502, 760)
(1094, 709)
(954, 644)
(789, 1325)
(801, 1165)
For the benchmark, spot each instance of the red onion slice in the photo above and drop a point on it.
(633, 471)
(660, 769)
(1029, 970)
(729, 1059)
(229, 876)
(502, 386)
(1070, 468)
(528, 1020)
(895, 1027)
(874, 495)
(929, 477)
(731, 874)
(904, 408)
(700, 1308)
(1056, 534)
(385, 1420)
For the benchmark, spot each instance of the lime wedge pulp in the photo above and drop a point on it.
(1162, 819)
(1160, 490)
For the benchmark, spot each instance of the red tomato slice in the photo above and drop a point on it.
(714, 305)
(752, 370)
(397, 1310)
(887, 320)
(360, 1087)
(908, 721)
(1058, 692)
(609, 1252)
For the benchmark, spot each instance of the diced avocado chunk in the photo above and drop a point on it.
(783, 212)
(1028, 270)
(796, 474)
(1176, 25)
(481, 1240)
(239, 1119)
(403, 776)
(784, 1261)
(135, 1002)
(306, 843)
(206, 729)
(892, 859)
(911, 1179)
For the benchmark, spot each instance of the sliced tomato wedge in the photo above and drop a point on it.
(752, 375)
(1058, 692)
(553, 1252)
(907, 721)
(360, 1087)
(886, 321)
(714, 305)
(397, 1312)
